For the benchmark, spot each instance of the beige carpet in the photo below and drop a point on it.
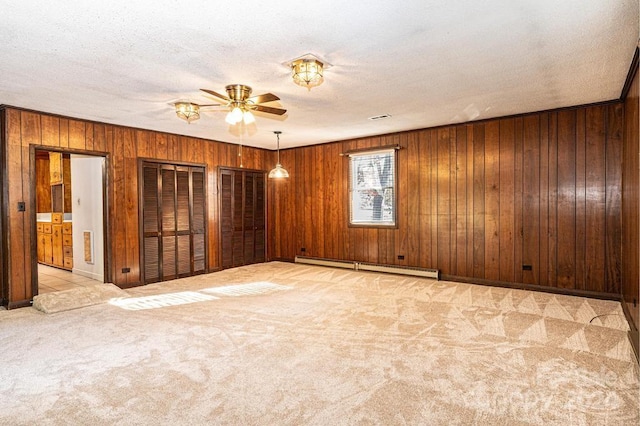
(291, 344)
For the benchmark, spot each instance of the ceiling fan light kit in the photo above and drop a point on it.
(234, 116)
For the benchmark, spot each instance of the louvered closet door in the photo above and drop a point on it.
(173, 221)
(242, 217)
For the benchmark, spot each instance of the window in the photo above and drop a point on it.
(372, 188)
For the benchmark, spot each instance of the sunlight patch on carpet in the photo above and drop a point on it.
(161, 300)
(247, 289)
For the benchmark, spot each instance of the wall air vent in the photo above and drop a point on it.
(379, 117)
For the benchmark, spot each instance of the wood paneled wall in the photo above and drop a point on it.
(631, 202)
(123, 147)
(476, 201)
(43, 183)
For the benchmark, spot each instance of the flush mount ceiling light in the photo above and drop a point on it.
(278, 172)
(307, 70)
(187, 111)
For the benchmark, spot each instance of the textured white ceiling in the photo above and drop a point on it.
(424, 62)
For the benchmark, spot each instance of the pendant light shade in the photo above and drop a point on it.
(278, 172)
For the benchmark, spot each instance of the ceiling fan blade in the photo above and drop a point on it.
(208, 105)
(270, 110)
(217, 95)
(267, 97)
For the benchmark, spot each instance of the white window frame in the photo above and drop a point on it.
(365, 184)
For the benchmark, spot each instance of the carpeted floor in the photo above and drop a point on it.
(284, 344)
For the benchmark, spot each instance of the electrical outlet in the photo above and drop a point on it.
(126, 270)
(22, 206)
(401, 257)
(303, 249)
(527, 268)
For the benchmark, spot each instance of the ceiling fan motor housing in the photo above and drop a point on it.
(238, 92)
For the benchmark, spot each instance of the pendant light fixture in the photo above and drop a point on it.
(278, 171)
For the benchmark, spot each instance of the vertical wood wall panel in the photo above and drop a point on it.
(443, 201)
(595, 198)
(566, 199)
(478, 200)
(64, 134)
(432, 195)
(117, 212)
(76, 134)
(462, 211)
(50, 130)
(19, 286)
(492, 201)
(99, 137)
(470, 201)
(543, 261)
(413, 199)
(531, 202)
(518, 212)
(88, 135)
(552, 190)
(131, 206)
(613, 198)
(581, 206)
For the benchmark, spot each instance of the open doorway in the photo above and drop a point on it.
(69, 192)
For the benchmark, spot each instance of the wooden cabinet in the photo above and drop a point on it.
(40, 239)
(55, 243)
(242, 217)
(55, 168)
(56, 218)
(59, 183)
(45, 248)
(67, 245)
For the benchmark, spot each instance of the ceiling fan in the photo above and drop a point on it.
(241, 103)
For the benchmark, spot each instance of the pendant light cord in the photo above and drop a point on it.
(277, 132)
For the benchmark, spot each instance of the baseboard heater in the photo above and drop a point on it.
(395, 269)
(345, 264)
(373, 267)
